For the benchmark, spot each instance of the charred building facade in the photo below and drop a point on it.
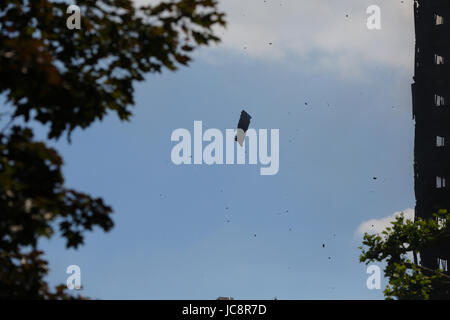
(431, 111)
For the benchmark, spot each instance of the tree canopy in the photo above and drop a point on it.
(399, 245)
(67, 79)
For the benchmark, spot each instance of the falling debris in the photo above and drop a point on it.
(244, 122)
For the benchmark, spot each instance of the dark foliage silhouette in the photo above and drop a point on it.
(67, 79)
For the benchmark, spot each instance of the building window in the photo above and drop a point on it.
(442, 264)
(441, 222)
(440, 141)
(438, 19)
(438, 59)
(440, 183)
(439, 101)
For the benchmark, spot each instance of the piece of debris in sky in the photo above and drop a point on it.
(244, 122)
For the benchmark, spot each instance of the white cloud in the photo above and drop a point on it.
(320, 33)
(378, 225)
(317, 33)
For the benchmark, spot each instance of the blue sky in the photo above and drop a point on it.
(171, 238)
